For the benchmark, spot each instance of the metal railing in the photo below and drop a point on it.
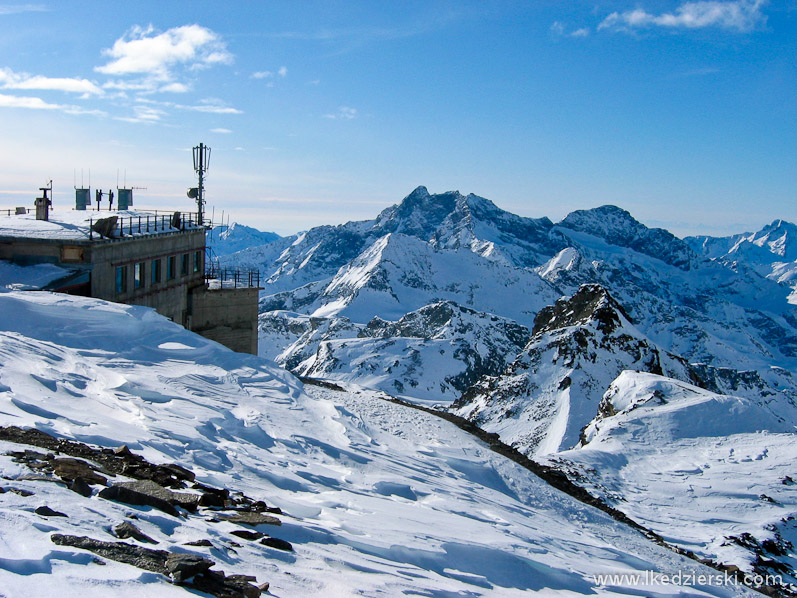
(148, 224)
(231, 278)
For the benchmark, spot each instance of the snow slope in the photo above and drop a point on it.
(378, 500)
(712, 473)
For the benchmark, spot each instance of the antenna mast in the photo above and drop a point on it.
(201, 165)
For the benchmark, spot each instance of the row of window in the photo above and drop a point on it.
(156, 271)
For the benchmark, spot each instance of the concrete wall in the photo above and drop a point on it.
(227, 316)
(168, 297)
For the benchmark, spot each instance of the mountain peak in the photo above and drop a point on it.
(590, 302)
(616, 226)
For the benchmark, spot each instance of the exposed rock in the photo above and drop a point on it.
(202, 542)
(131, 496)
(46, 511)
(149, 493)
(188, 570)
(249, 518)
(20, 491)
(70, 469)
(247, 534)
(128, 530)
(184, 566)
(143, 558)
(277, 543)
(80, 486)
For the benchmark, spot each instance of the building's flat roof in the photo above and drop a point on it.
(74, 225)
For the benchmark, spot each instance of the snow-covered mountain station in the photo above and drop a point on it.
(449, 400)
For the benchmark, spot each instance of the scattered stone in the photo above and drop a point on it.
(203, 542)
(46, 511)
(80, 486)
(187, 570)
(247, 534)
(128, 530)
(143, 558)
(149, 493)
(277, 543)
(70, 469)
(22, 492)
(263, 587)
(181, 567)
(249, 518)
(130, 496)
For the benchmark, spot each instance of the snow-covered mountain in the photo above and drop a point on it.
(771, 252)
(545, 398)
(464, 249)
(372, 498)
(432, 354)
(226, 239)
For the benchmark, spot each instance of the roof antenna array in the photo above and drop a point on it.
(201, 165)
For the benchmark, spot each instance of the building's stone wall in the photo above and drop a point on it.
(227, 316)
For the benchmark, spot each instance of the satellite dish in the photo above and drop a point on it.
(193, 192)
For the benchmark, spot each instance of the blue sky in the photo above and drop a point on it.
(684, 113)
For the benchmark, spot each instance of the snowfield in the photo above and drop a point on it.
(378, 499)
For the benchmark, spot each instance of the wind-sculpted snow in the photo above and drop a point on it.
(376, 499)
(712, 473)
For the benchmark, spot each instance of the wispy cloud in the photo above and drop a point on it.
(11, 80)
(34, 103)
(282, 72)
(343, 113)
(145, 52)
(221, 131)
(211, 106)
(737, 15)
(12, 9)
(558, 30)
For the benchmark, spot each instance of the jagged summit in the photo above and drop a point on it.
(590, 302)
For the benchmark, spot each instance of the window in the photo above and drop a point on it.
(138, 275)
(197, 261)
(156, 271)
(121, 279)
(184, 264)
(171, 267)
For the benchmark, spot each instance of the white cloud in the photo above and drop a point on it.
(145, 52)
(343, 113)
(221, 131)
(283, 71)
(175, 88)
(583, 32)
(11, 80)
(738, 15)
(211, 106)
(557, 28)
(12, 9)
(261, 75)
(33, 103)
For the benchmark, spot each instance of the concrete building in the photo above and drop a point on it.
(139, 258)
